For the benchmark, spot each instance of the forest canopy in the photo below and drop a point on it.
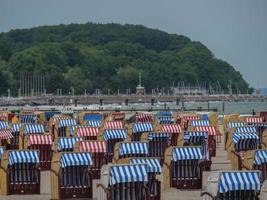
(109, 57)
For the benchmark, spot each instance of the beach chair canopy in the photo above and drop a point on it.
(40, 139)
(114, 125)
(127, 173)
(165, 113)
(3, 125)
(142, 127)
(246, 129)
(260, 157)
(200, 123)
(235, 124)
(210, 129)
(239, 180)
(245, 141)
(15, 157)
(191, 117)
(94, 123)
(133, 148)
(153, 164)
(75, 159)
(155, 136)
(114, 134)
(165, 119)
(93, 146)
(15, 128)
(171, 128)
(186, 153)
(144, 117)
(5, 134)
(253, 120)
(195, 137)
(92, 117)
(1, 152)
(66, 123)
(28, 118)
(33, 128)
(67, 143)
(87, 131)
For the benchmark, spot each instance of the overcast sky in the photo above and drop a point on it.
(234, 30)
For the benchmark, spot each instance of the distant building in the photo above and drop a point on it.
(140, 90)
(189, 91)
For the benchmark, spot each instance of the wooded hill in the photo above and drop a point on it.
(90, 56)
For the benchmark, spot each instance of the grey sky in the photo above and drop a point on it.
(235, 30)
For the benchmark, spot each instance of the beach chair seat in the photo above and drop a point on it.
(139, 128)
(115, 184)
(98, 150)
(174, 130)
(130, 149)
(20, 172)
(233, 185)
(64, 144)
(42, 143)
(70, 176)
(183, 167)
(112, 137)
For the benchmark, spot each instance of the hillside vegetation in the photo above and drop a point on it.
(109, 56)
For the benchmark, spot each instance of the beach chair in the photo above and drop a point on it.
(15, 128)
(130, 149)
(117, 116)
(187, 118)
(183, 168)
(195, 138)
(98, 150)
(212, 133)
(63, 144)
(165, 117)
(242, 142)
(19, 172)
(154, 171)
(113, 125)
(62, 126)
(94, 123)
(112, 137)
(157, 143)
(233, 185)
(6, 137)
(53, 121)
(135, 131)
(70, 176)
(42, 143)
(115, 184)
(86, 132)
(27, 129)
(174, 130)
(231, 126)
